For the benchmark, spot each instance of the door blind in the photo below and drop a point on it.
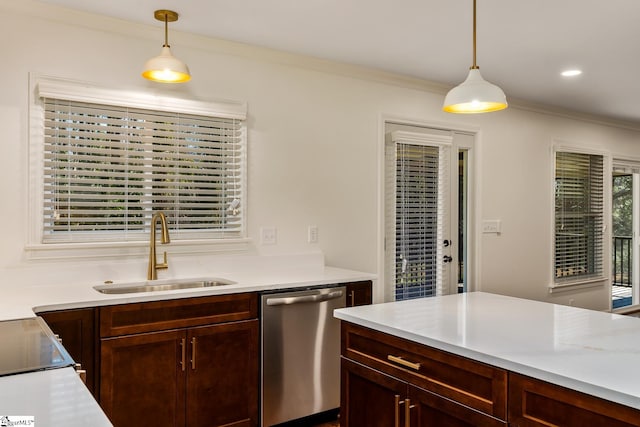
(108, 168)
(579, 216)
(420, 179)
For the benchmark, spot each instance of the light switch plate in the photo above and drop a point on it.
(492, 226)
(312, 234)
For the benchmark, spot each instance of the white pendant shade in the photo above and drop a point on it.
(166, 68)
(475, 95)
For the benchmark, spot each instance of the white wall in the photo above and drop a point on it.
(314, 150)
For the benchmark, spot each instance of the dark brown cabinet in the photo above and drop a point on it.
(369, 397)
(191, 362)
(222, 388)
(428, 409)
(374, 399)
(388, 381)
(142, 379)
(535, 403)
(76, 329)
(359, 293)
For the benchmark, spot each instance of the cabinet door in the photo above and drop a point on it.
(370, 398)
(428, 409)
(359, 293)
(535, 403)
(142, 381)
(76, 328)
(222, 375)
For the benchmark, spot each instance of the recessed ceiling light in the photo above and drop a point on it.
(571, 73)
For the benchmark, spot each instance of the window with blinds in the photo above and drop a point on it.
(108, 168)
(416, 217)
(579, 216)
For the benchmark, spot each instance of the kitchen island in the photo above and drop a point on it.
(518, 355)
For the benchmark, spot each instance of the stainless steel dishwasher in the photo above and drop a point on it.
(300, 353)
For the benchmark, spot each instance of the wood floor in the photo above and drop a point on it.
(329, 424)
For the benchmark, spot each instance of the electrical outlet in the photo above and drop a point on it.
(312, 234)
(268, 235)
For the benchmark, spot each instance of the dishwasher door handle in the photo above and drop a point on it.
(304, 298)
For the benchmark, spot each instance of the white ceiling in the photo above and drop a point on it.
(523, 45)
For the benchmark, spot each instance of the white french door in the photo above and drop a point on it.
(625, 258)
(418, 215)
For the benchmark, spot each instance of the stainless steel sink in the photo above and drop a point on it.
(155, 286)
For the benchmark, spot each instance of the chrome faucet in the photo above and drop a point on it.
(152, 273)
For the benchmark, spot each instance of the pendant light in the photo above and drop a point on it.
(475, 94)
(166, 68)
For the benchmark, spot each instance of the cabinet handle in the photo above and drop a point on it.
(397, 411)
(82, 373)
(400, 361)
(407, 412)
(183, 360)
(193, 353)
(352, 296)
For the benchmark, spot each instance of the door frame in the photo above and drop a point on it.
(634, 164)
(380, 294)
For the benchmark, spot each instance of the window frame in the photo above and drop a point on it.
(559, 284)
(41, 86)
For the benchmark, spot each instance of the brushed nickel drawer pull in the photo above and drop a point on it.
(405, 363)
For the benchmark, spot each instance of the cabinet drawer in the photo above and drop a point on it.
(474, 384)
(136, 318)
(534, 403)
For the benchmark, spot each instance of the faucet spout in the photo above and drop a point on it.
(152, 273)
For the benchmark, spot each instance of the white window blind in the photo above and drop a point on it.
(579, 216)
(417, 196)
(107, 168)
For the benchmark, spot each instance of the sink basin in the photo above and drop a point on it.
(155, 286)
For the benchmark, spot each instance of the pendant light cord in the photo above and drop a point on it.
(474, 66)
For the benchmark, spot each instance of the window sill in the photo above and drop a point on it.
(577, 284)
(629, 309)
(128, 249)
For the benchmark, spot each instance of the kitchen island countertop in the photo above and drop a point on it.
(589, 351)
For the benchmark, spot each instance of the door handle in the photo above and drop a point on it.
(304, 298)
(447, 258)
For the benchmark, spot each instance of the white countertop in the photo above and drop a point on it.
(593, 352)
(20, 302)
(55, 398)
